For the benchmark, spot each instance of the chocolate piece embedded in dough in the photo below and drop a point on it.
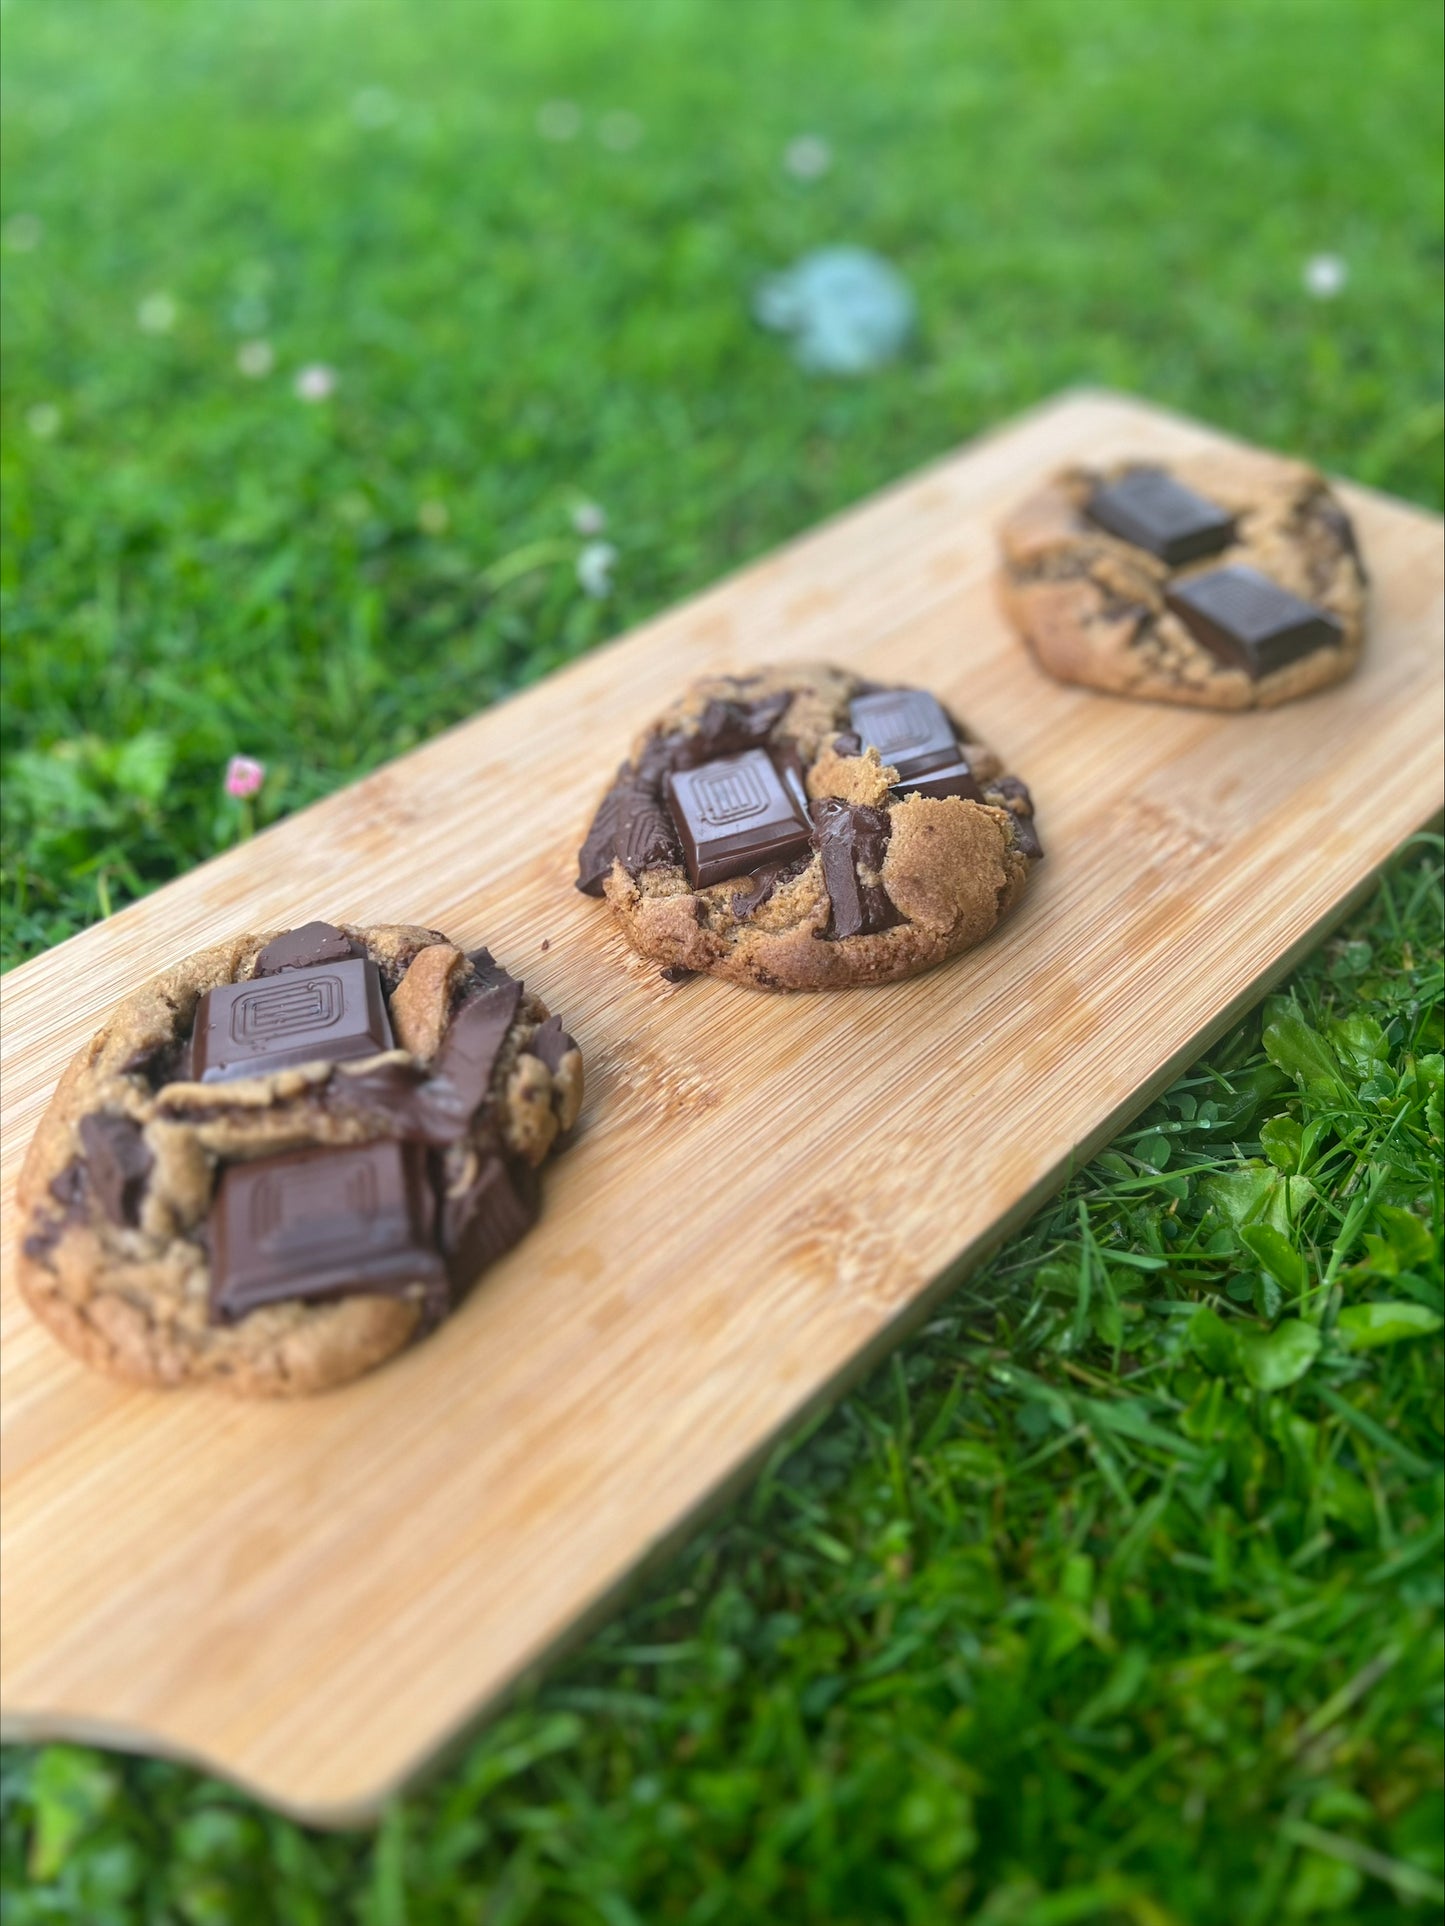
(1245, 619)
(323, 1224)
(119, 1161)
(850, 837)
(299, 1016)
(487, 1218)
(908, 727)
(733, 816)
(1153, 511)
(911, 731)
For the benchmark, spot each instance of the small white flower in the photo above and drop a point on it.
(24, 233)
(559, 120)
(315, 382)
(808, 157)
(1325, 276)
(620, 131)
(374, 107)
(594, 568)
(157, 314)
(588, 518)
(433, 518)
(43, 420)
(255, 359)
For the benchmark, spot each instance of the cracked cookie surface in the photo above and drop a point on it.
(431, 1118)
(1093, 607)
(873, 878)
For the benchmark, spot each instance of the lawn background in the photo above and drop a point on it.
(1094, 1605)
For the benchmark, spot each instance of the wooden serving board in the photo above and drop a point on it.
(766, 1191)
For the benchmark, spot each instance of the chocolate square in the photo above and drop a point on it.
(910, 730)
(1249, 621)
(734, 815)
(323, 1224)
(300, 1016)
(1152, 510)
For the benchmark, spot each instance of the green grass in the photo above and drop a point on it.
(1116, 1595)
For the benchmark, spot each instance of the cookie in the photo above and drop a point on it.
(1229, 580)
(802, 828)
(289, 1155)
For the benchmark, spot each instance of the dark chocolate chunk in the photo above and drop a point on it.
(473, 1040)
(487, 1218)
(324, 1224)
(633, 823)
(69, 1189)
(954, 780)
(734, 815)
(761, 885)
(487, 970)
(1331, 516)
(850, 743)
(1015, 798)
(1249, 621)
(1153, 511)
(436, 1106)
(298, 1016)
(912, 731)
(303, 949)
(551, 1043)
(728, 728)
(630, 824)
(119, 1161)
(851, 837)
(161, 1063)
(675, 973)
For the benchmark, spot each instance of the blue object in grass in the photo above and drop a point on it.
(847, 310)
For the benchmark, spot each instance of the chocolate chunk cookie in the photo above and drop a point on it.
(289, 1155)
(802, 828)
(1229, 580)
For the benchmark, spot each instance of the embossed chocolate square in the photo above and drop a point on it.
(733, 815)
(910, 729)
(1245, 619)
(324, 1223)
(300, 1016)
(1153, 511)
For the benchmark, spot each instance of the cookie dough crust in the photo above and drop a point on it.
(951, 870)
(133, 1298)
(1091, 606)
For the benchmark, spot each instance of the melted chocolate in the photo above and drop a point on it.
(850, 836)
(435, 1106)
(761, 885)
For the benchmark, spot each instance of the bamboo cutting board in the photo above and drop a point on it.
(311, 1598)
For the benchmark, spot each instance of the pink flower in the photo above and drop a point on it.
(244, 776)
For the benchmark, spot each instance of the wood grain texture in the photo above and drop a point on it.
(765, 1191)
